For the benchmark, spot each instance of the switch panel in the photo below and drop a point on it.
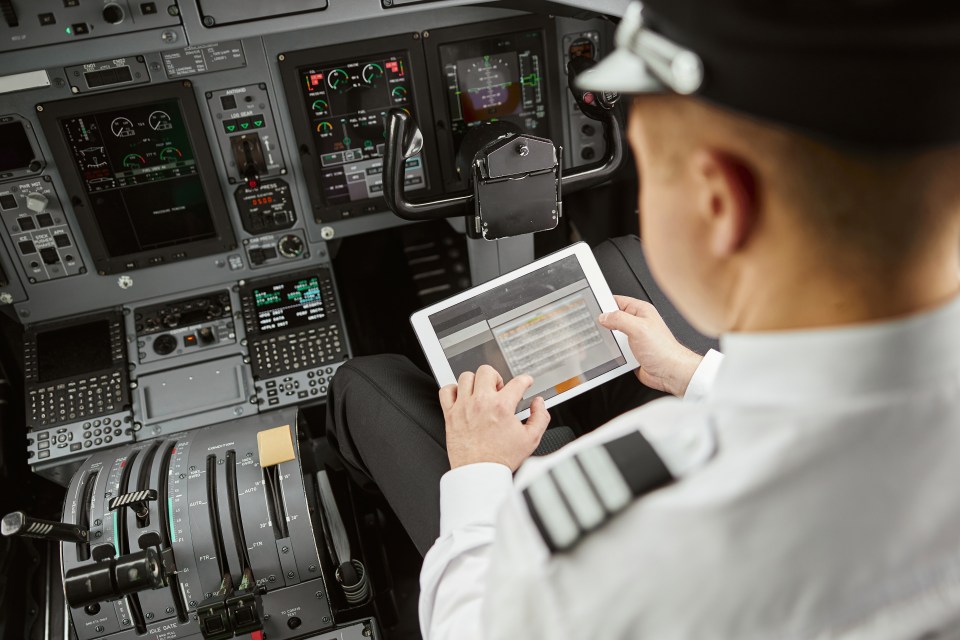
(247, 133)
(39, 232)
(36, 23)
(585, 135)
(272, 249)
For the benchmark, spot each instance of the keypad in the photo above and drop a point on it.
(57, 442)
(306, 349)
(75, 400)
(303, 385)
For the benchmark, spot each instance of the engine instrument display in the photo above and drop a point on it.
(138, 167)
(498, 78)
(348, 104)
(288, 304)
(140, 175)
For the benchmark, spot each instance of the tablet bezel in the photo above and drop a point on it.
(598, 285)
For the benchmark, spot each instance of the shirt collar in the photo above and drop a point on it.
(781, 366)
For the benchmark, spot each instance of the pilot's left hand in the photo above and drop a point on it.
(480, 421)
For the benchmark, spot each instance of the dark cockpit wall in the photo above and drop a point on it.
(194, 238)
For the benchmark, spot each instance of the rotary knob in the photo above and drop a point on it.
(113, 13)
(37, 202)
(290, 246)
(164, 344)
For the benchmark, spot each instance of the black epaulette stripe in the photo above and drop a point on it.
(639, 463)
(632, 461)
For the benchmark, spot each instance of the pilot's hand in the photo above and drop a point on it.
(665, 364)
(481, 425)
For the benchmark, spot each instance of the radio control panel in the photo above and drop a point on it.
(185, 326)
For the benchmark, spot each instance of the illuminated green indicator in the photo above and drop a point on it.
(531, 80)
(258, 123)
(244, 125)
(69, 31)
(231, 128)
(173, 533)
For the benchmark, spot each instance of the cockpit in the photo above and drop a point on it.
(209, 207)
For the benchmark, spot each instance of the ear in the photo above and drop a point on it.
(727, 199)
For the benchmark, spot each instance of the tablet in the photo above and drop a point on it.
(540, 320)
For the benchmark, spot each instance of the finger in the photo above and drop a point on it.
(465, 384)
(621, 321)
(487, 379)
(448, 396)
(539, 419)
(513, 391)
(634, 306)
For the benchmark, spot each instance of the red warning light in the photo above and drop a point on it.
(314, 80)
(394, 67)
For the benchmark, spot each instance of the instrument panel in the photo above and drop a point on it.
(173, 188)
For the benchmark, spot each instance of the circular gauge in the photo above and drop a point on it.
(170, 154)
(134, 161)
(122, 127)
(93, 157)
(324, 127)
(372, 72)
(399, 92)
(320, 106)
(160, 121)
(338, 78)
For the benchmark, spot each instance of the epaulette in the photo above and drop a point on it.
(581, 493)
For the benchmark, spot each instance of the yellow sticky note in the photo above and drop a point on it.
(275, 446)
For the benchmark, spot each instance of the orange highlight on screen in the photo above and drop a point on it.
(566, 385)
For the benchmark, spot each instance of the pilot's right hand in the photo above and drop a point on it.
(665, 364)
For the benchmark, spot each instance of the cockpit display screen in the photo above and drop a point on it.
(499, 78)
(348, 103)
(139, 170)
(72, 351)
(288, 304)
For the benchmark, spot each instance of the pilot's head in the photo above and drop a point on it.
(801, 150)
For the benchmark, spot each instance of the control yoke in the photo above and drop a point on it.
(516, 178)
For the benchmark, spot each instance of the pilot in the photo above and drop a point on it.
(800, 199)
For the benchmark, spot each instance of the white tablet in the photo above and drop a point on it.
(540, 320)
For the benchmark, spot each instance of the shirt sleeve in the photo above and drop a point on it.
(703, 377)
(454, 572)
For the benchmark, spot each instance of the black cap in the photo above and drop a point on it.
(872, 74)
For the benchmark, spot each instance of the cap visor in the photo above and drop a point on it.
(623, 72)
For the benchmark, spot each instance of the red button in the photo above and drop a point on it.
(588, 98)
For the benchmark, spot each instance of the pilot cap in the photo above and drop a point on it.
(875, 75)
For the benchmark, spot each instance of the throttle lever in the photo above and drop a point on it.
(20, 524)
(136, 500)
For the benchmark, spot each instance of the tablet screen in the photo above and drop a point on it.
(543, 324)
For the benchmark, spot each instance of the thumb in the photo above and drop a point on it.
(539, 419)
(621, 321)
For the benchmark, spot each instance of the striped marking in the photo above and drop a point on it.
(582, 492)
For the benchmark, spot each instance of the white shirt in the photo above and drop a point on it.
(830, 509)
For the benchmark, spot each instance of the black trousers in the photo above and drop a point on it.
(384, 417)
